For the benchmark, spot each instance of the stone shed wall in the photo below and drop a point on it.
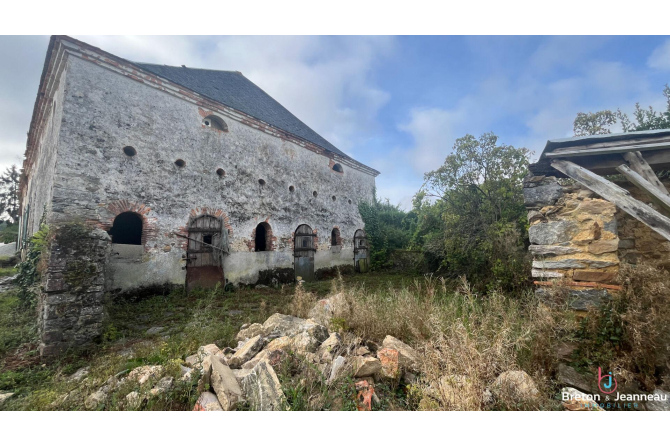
(95, 180)
(579, 237)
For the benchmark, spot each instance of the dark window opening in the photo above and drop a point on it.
(315, 193)
(335, 237)
(291, 189)
(334, 197)
(180, 163)
(129, 151)
(220, 172)
(263, 237)
(127, 229)
(304, 243)
(338, 168)
(207, 239)
(261, 182)
(349, 201)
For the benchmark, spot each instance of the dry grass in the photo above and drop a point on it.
(466, 340)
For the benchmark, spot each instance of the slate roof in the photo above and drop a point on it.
(594, 139)
(231, 88)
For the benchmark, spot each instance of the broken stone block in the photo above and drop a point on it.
(593, 276)
(551, 250)
(133, 401)
(249, 332)
(544, 195)
(329, 347)
(389, 362)
(143, 373)
(516, 384)
(162, 386)
(603, 246)
(207, 402)
(246, 352)
(366, 366)
(225, 385)
(408, 358)
(262, 388)
(552, 233)
(337, 369)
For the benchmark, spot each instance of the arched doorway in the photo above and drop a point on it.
(127, 229)
(303, 253)
(360, 252)
(207, 243)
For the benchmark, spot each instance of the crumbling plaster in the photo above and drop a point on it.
(105, 111)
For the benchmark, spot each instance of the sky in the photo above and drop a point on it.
(395, 103)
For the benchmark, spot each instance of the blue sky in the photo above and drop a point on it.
(394, 103)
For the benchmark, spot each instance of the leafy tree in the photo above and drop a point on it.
(9, 194)
(470, 213)
(599, 123)
(387, 228)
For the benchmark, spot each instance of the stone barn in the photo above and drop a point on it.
(152, 175)
(595, 203)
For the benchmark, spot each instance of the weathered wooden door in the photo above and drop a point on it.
(303, 253)
(360, 252)
(207, 243)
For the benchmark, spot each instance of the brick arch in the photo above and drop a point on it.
(200, 212)
(271, 239)
(115, 208)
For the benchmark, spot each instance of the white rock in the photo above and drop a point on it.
(262, 388)
(225, 384)
(662, 404)
(246, 352)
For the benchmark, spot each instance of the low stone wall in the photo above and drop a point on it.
(573, 236)
(70, 306)
(581, 239)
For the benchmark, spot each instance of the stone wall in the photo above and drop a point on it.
(582, 239)
(94, 180)
(70, 305)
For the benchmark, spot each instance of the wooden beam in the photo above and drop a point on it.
(661, 199)
(616, 195)
(576, 151)
(637, 162)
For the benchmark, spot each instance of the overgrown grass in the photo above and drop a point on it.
(465, 341)
(8, 271)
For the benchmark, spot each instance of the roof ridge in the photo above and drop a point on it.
(184, 66)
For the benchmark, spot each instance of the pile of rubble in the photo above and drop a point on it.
(247, 373)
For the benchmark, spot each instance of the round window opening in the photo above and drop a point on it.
(220, 172)
(349, 201)
(334, 197)
(291, 189)
(129, 151)
(261, 182)
(180, 163)
(315, 194)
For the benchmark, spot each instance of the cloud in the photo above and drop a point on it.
(536, 101)
(433, 130)
(325, 81)
(660, 57)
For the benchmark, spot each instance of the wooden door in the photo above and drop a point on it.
(360, 252)
(303, 253)
(207, 243)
